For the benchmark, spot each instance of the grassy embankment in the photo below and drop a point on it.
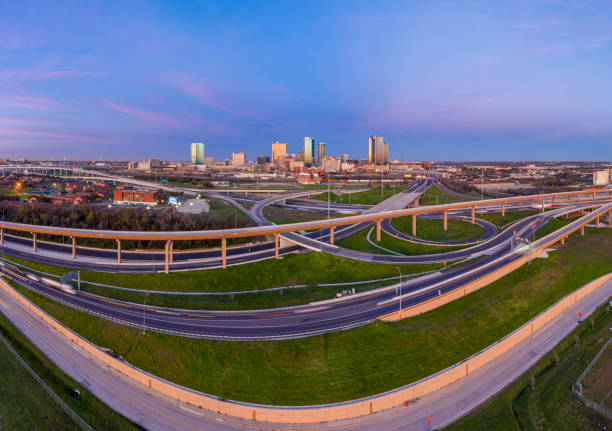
(358, 241)
(24, 405)
(433, 229)
(359, 362)
(551, 406)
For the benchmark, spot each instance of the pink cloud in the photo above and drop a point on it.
(30, 133)
(214, 97)
(146, 116)
(14, 78)
(31, 102)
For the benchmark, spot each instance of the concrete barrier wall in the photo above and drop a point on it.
(326, 413)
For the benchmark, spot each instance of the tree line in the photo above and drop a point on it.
(121, 219)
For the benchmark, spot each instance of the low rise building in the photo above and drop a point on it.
(135, 196)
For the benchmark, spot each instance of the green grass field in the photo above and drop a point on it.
(509, 217)
(24, 405)
(283, 215)
(433, 229)
(358, 241)
(551, 406)
(291, 270)
(372, 196)
(435, 196)
(363, 361)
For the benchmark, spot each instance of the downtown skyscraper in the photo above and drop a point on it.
(378, 151)
(309, 150)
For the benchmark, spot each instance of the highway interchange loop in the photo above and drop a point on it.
(333, 315)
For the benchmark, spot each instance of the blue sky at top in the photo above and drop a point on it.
(441, 80)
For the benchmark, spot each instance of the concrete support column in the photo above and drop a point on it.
(34, 242)
(331, 235)
(597, 222)
(414, 216)
(473, 214)
(377, 230)
(519, 204)
(118, 251)
(167, 257)
(445, 220)
(503, 209)
(276, 241)
(553, 200)
(224, 252)
(171, 251)
(1, 236)
(582, 230)
(73, 247)
(542, 210)
(562, 240)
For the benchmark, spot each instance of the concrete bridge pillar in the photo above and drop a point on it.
(445, 220)
(171, 251)
(562, 240)
(34, 242)
(414, 217)
(582, 230)
(118, 251)
(542, 209)
(276, 235)
(1, 236)
(167, 257)
(74, 247)
(224, 251)
(503, 212)
(331, 235)
(377, 230)
(473, 214)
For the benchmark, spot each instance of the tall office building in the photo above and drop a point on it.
(321, 153)
(309, 150)
(238, 159)
(278, 148)
(378, 151)
(197, 153)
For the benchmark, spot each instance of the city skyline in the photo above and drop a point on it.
(487, 82)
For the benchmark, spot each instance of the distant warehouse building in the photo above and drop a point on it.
(135, 196)
(601, 178)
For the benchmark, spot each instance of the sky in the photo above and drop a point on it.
(440, 80)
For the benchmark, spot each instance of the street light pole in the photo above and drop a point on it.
(400, 290)
(144, 315)
(328, 196)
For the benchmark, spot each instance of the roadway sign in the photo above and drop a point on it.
(173, 200)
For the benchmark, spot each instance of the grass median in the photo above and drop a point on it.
(294, 269)
(510, 216)
(363, 361)
(373, 196)
(433, 229)
(283, 215)
(359, 241)
(551, 406)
